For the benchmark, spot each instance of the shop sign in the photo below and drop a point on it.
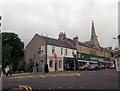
(99, 59)
(79, 55)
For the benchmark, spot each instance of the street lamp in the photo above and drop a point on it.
(117, 57)
(34, 60)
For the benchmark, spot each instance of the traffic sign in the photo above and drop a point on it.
(116, 50)
(55, 55)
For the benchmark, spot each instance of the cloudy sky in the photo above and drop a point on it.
(50, 17)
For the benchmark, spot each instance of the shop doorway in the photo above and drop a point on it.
(55, 66)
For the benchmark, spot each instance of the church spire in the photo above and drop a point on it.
(93, 34)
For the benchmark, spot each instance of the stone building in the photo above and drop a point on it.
(89, 50)
(65, 49)
(42, 50)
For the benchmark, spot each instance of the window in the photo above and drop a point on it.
(72, 52)
(61, 51)
(60, 64)
(66, 51)
(51, 64)
(53, 50)
(79, 49)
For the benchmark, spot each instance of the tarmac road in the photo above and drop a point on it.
(97, 79)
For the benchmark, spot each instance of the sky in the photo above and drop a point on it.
(50, 17)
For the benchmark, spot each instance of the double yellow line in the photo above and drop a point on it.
(27, 88)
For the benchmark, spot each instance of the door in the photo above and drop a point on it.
(55, 66)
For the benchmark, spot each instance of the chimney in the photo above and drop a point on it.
(76, 41)
(75, 38)
(62, 36)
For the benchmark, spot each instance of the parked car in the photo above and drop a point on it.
(102, 67)
(85, 67)
(112, 66)
(97, 67)
(93, 67)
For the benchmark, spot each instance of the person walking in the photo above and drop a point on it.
(7, 70)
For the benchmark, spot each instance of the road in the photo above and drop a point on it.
(97, 79)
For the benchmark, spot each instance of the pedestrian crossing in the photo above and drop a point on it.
(45, 75)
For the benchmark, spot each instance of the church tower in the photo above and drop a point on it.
(93, 34)
(94, 39)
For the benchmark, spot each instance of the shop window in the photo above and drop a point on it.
(53, 50)
(51, 64)
(60, 64)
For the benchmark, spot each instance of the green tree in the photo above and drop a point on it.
(12, 50)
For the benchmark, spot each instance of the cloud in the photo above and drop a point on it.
(50, 17)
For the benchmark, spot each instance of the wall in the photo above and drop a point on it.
(60, 56)
(33, 48)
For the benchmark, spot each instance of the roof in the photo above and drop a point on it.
(57, 42)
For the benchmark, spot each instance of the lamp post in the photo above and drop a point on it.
(34, 67)
(46, 65)
(118, 55)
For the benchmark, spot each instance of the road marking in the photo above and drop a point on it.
(78, 74)
(48, 75)
(42, 76)
(26, 87)
(68, 74)
(19, 76)
(30, 76)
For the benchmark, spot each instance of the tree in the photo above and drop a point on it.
(12, 49)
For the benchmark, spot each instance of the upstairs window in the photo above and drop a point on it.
(66, 51)
(53, 50)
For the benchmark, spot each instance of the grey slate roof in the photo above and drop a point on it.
(59, 43)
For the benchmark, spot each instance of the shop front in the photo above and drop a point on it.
(87, 57)
(55, 64)
(68, 64)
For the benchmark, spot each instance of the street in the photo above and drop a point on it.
(96, 79)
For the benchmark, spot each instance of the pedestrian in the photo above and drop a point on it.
(10, 71)
(7, 70)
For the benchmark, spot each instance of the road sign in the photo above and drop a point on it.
(116, 50)
(55, 55)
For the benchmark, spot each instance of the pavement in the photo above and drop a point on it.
(18, 74)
